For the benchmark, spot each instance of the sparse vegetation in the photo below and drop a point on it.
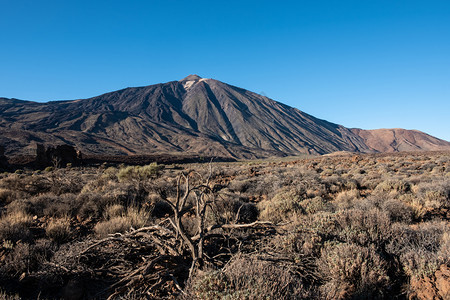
(347, 227)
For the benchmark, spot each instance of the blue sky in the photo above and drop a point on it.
(366, 64)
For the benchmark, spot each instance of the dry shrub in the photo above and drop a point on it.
(337, 183)
(314, 205)
(444, 251)
(110, 188)
(398, 211)
(48, 205)
(364, 227)
(210, 285)
(352, 271)
(346, 199)
(228, 210)
(14, 226)
(138, 217)
(7, 196)
(372, 201)
(58, 230)
(242, 185)
(322, 222)
(223, 209)
(308, 233)
(61, 206)
(435, 194)
(26, 258)
(19, 260)
(389, 185)
(421, 248)
(327, 172)
(283, 206)
(110, 173)
(92, 205)
(63, 181)
(371, 180)
(247, 278)
(299, 244)
(417, 205)
(429, 197)
(32, 185)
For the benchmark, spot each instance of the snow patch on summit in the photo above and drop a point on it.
(190, 83)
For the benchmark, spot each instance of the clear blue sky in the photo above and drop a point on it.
(366, 64)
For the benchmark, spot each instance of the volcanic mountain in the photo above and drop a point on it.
(194, 115)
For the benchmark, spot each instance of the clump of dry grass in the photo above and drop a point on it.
(9, 195)
(6, 296)
(121, 220)
(113, 211)
(58, 230)
(14, 226)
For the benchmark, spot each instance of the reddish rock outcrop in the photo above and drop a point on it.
(436, 287)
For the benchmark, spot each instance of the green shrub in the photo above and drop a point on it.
(138, 173)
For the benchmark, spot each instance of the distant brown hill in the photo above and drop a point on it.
(397, 140)
(194, 115)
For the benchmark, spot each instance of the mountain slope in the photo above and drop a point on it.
(397, 140)
(193, 115)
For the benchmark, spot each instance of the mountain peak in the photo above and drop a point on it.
(192, 77)
(190, 81)
(193, 115)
